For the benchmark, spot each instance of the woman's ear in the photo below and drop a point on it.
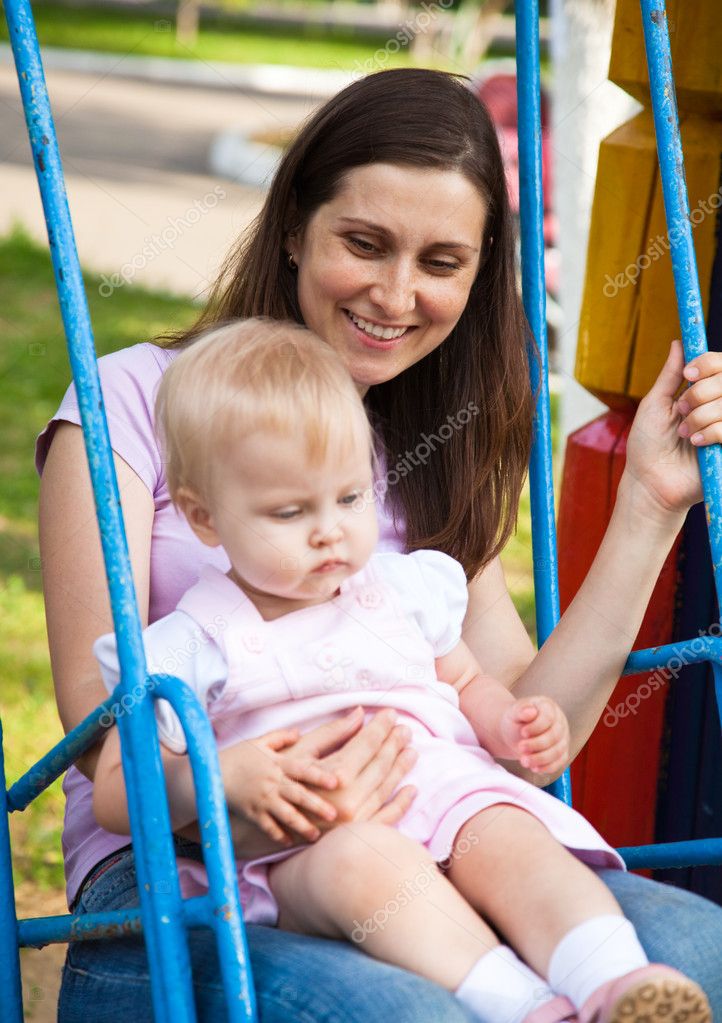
(197, 515)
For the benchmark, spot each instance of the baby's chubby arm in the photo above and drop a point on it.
(532, 730)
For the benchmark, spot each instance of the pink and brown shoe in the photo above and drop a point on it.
(556, 1010)
(651, 994)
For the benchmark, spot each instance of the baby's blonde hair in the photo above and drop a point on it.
(255, 375)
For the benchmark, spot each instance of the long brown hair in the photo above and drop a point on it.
(464, 502)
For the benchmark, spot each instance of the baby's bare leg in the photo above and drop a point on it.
(533, 890)
(369, 884)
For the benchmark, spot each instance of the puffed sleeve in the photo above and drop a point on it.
(433, 590)
(174, 645)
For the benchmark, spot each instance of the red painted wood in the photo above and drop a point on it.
(614, 778)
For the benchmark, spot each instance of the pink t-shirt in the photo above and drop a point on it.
(129, 379)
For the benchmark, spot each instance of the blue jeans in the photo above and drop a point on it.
(312, 980)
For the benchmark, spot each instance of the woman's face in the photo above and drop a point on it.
(395, 254)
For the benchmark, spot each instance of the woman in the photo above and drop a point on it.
(387, 231)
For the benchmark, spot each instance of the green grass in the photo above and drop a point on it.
(34, 372)
(136, 33)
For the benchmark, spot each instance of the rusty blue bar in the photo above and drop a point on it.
(673, 656)
(36, 932)
(531, 208)
(58, 759)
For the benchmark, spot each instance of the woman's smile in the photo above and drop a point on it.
(375, 335)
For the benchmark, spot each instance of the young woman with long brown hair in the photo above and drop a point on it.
(387, 231)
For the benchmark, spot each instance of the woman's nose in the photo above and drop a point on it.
(394, 292)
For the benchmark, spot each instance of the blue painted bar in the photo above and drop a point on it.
(58, 759)
(684, 263)
(36, 932)
(214, 826)
(531, 208)
(161, 904)
(673, 656)
(696, 853)
(11, 1002)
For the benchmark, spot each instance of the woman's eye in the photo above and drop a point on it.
(439, 264)
(365, 246)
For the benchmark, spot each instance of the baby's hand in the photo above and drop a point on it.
(537, 732)
(266, 786)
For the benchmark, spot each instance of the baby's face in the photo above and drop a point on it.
(280, 520)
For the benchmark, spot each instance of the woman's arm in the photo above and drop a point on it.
(580, 663)
(77, 605)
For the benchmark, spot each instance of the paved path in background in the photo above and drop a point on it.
(135, 156)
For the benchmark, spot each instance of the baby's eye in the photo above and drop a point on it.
(287, 514)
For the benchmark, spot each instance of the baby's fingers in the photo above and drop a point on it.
(292, 820)
(303, 798)
(549, 761)
(310, 772)
(268, 825)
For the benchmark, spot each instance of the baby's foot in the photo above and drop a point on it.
(651, 994)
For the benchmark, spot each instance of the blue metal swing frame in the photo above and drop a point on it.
(164, 916)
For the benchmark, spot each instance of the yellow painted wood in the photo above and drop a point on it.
(695, 32)
(629, 313)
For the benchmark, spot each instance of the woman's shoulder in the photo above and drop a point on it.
(129, 378)
(146, 361)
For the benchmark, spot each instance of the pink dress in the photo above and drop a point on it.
(373, 645)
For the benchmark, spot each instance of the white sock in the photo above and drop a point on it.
(500, 988)
(597, 951)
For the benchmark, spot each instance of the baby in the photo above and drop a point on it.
(269, 454)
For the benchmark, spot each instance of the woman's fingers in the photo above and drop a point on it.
(320, 741)
(703, 425)
(392, 812)
(377, 783)
(348, 762)
(703, 365)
